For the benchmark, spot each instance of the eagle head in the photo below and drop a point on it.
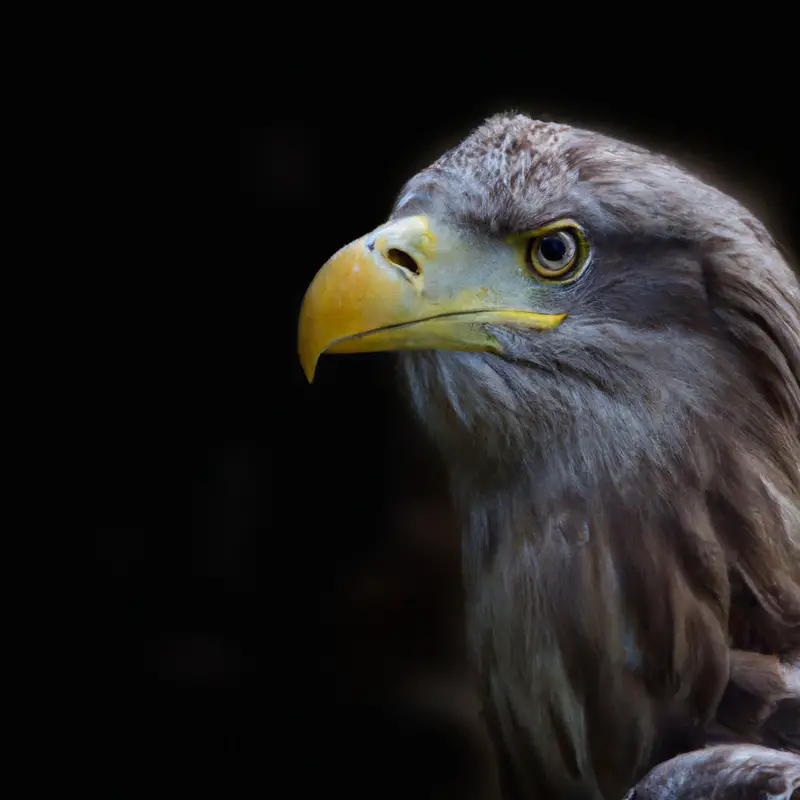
(606, 350)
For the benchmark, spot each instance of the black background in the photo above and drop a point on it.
(238, 507)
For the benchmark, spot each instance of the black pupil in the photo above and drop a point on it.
(552, 248)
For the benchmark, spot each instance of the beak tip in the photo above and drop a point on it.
(308, 361)
(307, 352)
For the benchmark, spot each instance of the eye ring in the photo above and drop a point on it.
(555, 254)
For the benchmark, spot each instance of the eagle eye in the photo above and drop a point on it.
(554, 255)
(557, 252)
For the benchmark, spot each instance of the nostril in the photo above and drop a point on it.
(402, 259)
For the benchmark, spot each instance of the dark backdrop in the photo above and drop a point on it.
(272, 561)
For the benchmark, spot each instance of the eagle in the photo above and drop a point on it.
(605, 350)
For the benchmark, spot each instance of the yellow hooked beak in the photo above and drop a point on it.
(406, 287)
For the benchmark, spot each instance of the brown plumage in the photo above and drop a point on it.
(628, 480)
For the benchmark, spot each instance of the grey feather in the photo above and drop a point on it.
(628, 482)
